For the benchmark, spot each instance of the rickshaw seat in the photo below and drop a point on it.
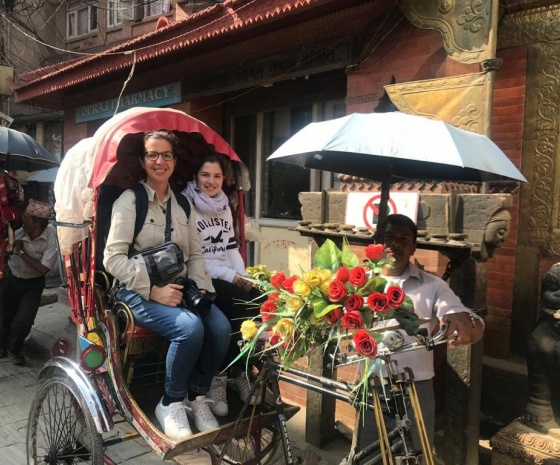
(138, 343)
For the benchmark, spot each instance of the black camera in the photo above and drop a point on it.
(194, 299)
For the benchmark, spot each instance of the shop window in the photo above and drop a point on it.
(283, 182)
(114, 13)
(81, 18)
(275, 186)
(245, 137)
(156, 8)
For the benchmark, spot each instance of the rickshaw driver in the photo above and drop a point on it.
(198, 344)
(432, 298)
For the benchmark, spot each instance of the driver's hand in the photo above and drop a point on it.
(170, 294)
(467, 330)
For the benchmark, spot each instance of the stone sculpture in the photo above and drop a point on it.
(542, 412)
(497, 231)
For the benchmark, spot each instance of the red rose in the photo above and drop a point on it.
(274, 338)
(374, 251)
(288, 283)
(333, 316)
(353, 320)
(337, 291)
(343, 274)
(378, 302)
(268, 310)
(273, 296)
(354, 302)
(365, 344)
(395, 296)
(358, 276)
(277, 280)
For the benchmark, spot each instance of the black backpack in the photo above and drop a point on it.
(108, 195)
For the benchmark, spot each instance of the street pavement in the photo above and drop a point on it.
(18, 385)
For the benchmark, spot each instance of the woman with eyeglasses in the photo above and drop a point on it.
(235, 294)
(198, 344)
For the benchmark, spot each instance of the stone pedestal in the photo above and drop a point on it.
(517, 444)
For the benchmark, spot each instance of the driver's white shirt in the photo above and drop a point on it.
(432, 298)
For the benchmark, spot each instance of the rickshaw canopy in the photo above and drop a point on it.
(111, 156)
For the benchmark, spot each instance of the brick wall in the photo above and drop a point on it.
(73, 133)
(408, 54)
(507, 133)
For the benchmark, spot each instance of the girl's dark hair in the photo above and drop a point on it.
(164, 135)
(212, 158)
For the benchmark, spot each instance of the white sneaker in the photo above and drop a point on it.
(242, 385)
(199, 410)
(218, 396)
(173, 420)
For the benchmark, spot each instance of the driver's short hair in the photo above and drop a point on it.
(397, 219)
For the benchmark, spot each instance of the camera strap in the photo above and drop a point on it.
(168, 221)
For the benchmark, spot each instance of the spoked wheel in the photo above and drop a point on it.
(256, 448)
(60, 428)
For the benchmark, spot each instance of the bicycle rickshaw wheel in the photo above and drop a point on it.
(60, 427)
(256, 448)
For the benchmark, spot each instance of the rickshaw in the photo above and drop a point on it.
(119, 369)
(119, 372)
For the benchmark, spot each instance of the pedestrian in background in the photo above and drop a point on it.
(34, 254)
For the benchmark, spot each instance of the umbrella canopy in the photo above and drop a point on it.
(48, 175)
(392, 146)
(23, 153)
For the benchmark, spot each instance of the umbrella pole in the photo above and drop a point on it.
(383, 210)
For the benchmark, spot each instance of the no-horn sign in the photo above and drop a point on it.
(362, 208)
(372, 208)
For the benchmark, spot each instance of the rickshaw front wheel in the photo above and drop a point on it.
(60, 427)
(256, 448)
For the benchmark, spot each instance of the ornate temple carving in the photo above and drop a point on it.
(457, 100)
(464, 25)
(529, 27)
(541, 149)
(519, 441)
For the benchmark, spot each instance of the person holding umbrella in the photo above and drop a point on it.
(35, 253)
(433, 299)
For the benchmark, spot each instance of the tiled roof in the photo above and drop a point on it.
(213, 22)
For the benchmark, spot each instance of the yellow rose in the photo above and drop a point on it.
(326, 275)
(248, 329)
(325, 287)
(293, 304)
(301, 288)
(313, 277)
(284, 327)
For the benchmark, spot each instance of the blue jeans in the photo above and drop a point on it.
(198, 346)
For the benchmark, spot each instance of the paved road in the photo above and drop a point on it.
(19, 384)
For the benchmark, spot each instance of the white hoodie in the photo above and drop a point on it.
(214, 223)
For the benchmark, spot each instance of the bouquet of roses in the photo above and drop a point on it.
(338, 299)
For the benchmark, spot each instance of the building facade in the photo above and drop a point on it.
(256, 71)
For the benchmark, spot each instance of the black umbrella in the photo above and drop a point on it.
(23, 153)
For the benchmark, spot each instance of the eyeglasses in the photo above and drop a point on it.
(153, 156)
